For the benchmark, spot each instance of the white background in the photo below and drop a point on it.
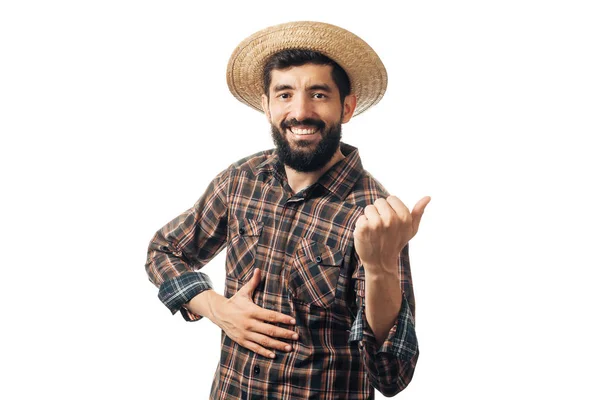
(115, 115)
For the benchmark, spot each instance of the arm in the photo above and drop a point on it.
(185, 245)
(384, 325)
(383, 298)
(390, 361)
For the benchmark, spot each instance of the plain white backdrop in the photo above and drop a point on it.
(115, 115)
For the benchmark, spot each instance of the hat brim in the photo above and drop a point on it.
(368, 77)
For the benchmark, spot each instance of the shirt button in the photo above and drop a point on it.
(319, 259)
(242, 231)
(256, 370)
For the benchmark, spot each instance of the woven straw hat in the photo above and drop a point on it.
(368, 77)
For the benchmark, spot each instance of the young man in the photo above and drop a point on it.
(318, 300)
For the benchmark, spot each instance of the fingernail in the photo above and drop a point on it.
(292, 321)
(288, 348)
(295, 336)
(272, 355)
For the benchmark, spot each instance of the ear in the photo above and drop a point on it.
(349, 107)
(265, 106)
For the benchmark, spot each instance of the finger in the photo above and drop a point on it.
(272, 316)
(398, 206)
(269, 343)
(418, 210)
(274, 331)
(384, 209)
(371, 214)
(360, 223)
(250, 286)
(258, 349)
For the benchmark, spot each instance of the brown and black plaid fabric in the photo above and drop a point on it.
(303, 244)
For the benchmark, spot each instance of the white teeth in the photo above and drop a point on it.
(298, 131)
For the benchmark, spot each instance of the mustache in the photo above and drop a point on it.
(317, 123)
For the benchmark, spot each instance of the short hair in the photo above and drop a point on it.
(297, 57)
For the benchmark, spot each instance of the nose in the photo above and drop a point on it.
(300, 108)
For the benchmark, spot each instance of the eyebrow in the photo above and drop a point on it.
(278, 88)
(324, 87)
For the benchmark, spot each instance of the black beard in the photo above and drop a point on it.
(307, 161)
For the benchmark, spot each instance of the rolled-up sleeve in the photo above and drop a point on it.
(390, 366)
(182, 247)
(178, 291)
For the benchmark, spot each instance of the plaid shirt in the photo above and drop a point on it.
(303, 244)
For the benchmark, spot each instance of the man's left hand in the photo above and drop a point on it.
(383, 230)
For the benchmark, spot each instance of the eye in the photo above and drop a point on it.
(284, 96)
(319, 96)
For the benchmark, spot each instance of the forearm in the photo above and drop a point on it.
(205, 304)
(384, 326)
(383, 300)
(387, 342)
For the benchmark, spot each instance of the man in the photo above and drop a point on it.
(318, 300)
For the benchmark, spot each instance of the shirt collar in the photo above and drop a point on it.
(338, 180)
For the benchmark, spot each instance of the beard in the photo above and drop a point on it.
(304, 159)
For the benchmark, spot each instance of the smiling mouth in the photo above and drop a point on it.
(303, 131)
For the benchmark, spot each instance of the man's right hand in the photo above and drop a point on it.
(244, 322)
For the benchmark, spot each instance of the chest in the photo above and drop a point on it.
(302, 243)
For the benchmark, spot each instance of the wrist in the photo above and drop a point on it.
(214, 302)
(204, 304)
(382, 271)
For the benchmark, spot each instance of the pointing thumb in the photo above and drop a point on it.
(418, 210)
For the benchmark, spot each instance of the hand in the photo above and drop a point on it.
(246, 323)
(384, 229)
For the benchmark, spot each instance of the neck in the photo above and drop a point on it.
(299, 180)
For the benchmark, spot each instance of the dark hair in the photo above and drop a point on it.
(296, 57)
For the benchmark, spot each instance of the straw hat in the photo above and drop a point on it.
(368, 78)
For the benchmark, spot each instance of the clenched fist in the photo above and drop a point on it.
(383, 230)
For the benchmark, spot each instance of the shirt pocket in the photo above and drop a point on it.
(241, 250)
(314, 274)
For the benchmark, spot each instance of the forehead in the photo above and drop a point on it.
(303, 76)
